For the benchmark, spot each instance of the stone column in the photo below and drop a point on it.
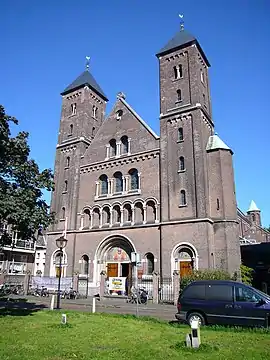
(75, 281)
(110, 187)
(122, 216)
(156, 213)
(111, 217)
(102, 286)
(129, 146)
(155, 287)
(82, 221)
(91, 219)
(144, 214)
(107, 151)
(118, 149)
(176, 286)
(100, 218)
(133, 214)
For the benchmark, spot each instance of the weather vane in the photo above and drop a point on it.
(87, 62)
(181, 21)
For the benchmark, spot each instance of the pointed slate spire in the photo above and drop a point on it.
(253, 207)
(86, 78)
(181, 39)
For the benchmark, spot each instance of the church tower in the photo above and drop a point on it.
(83, 112)
(196, 169)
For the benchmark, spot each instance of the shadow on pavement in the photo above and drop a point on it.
(18, 307)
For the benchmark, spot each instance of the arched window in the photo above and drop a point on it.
(118, 181)
(57, 261)
(103, 184)
(106, 215)
(139, 212)
(65, 185)
(96, 217)
(134, 179)
(112, 147)
(116, 214)
(181, 163)
(124, 141)
(86, 219)
(84, 265)
(180, 134)
(127, 213)
(149, 263)
(68, 162)
(183, 200)
(93, 131)
(151, 212)
(70, 129)
(179, 95)
(253, 217)
(63, 214)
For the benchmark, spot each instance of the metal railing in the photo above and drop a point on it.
(25, 244)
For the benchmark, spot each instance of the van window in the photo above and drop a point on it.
(194, 292)
(219, 292)
(246, 294)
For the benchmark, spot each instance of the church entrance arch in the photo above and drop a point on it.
(185, 259)
(114, 257)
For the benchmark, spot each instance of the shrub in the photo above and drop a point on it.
(204, 275)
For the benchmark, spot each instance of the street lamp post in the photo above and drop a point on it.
(61, 243)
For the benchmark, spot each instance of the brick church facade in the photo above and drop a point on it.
(121, 188)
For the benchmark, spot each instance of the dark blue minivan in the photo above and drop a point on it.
(223, 303)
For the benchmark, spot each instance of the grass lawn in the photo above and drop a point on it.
(101, 336)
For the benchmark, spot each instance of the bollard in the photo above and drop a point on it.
(195, 334)
(52, 302)
(64, 319)
(94, 305)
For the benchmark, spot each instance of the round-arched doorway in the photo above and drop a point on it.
(185, 259)
(114, 257)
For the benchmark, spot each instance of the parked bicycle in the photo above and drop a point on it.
(69, 294)
(7, 289)
(43, 292)
(139, 295)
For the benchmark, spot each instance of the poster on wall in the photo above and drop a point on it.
(117, 284)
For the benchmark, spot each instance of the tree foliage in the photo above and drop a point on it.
(246, 274)
(21, 183)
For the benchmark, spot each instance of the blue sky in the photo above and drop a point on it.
(44, 44)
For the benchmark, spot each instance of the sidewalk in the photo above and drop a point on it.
(110, 305)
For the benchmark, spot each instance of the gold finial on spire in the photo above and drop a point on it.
(181, 21)
(87, 62)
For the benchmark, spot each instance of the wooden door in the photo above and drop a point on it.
(112, 269)
(185, 268)
(57, 271)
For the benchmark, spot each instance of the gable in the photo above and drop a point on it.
(122, 121)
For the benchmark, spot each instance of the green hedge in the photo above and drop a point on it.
(207, 274)
(204, 275)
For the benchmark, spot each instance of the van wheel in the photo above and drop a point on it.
(196, 316)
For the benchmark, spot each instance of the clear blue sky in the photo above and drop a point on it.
(43, 49)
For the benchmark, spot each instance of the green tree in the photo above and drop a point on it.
(21, 184)
(246, 274)
(267, 228)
